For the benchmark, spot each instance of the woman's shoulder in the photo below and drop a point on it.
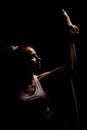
(43, 75)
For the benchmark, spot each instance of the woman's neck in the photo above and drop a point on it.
(29, 86)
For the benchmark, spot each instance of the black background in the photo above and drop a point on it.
(37, 23)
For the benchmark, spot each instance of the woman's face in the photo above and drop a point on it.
(33, 59)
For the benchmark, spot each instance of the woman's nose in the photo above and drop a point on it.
(39, 59)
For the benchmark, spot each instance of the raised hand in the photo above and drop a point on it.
(71, 28)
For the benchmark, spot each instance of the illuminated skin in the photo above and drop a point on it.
(34, 58)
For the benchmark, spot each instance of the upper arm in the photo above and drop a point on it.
(56, 73)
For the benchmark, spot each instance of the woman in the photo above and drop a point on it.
(32, 101)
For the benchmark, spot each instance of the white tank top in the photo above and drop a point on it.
(39, 92)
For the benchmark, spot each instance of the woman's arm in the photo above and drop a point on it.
(71, 30)
(55, 73)
(72, 33)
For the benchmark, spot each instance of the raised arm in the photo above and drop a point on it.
(71, 31)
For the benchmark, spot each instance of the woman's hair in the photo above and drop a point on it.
(15, 61)
(15, 51)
